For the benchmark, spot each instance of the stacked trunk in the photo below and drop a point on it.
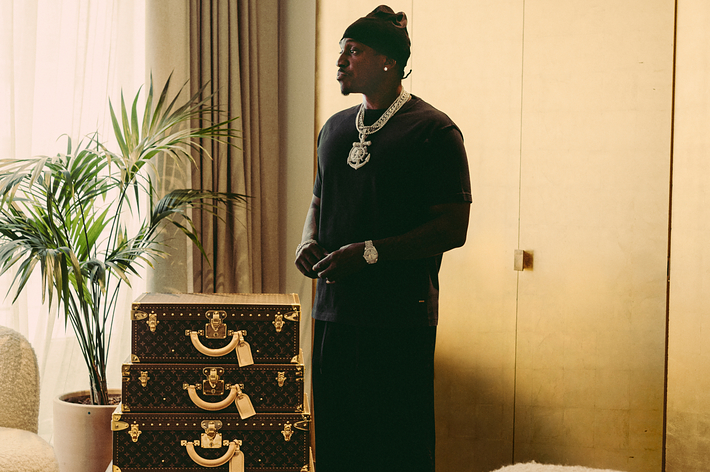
(215, 382)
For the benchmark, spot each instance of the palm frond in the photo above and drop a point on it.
(65, 213)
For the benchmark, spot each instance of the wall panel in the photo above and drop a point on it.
(688, 417)
(467, 62)
(594, 209)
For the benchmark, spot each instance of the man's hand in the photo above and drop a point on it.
(309, 255)
(446, 229)
(341, 263)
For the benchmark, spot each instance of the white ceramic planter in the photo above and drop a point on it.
(82, 434)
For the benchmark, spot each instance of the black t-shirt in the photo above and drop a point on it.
(417, 160)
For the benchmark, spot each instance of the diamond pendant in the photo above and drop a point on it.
(359, 156)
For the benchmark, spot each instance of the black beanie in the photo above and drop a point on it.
(384, 31)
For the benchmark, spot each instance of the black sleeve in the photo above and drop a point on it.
(447, 168)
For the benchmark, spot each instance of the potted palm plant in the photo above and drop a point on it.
(67, 213)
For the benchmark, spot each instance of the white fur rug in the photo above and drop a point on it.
(535, 467)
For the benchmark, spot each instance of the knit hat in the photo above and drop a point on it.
(384, 31)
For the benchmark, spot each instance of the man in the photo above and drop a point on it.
(392, 194)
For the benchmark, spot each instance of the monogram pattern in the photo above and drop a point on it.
(161, 450)
(164, 359)
(164, 388)
(169, 343)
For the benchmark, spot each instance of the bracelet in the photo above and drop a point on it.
(304, 243)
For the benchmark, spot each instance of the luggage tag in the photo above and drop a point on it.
(243, 349)
(236, 463)
(243, 404)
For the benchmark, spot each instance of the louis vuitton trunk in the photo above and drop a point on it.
(191, 442)
(215, 328)
(275, 388)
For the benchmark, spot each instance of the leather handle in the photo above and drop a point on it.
(210, 406)
(211, 462)
(214, 352)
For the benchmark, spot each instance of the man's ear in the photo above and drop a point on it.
(390, 63)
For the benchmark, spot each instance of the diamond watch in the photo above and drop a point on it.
(370, 254)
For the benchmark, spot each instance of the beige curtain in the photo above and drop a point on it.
(234, 49)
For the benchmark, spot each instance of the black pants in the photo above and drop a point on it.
(373, 392)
